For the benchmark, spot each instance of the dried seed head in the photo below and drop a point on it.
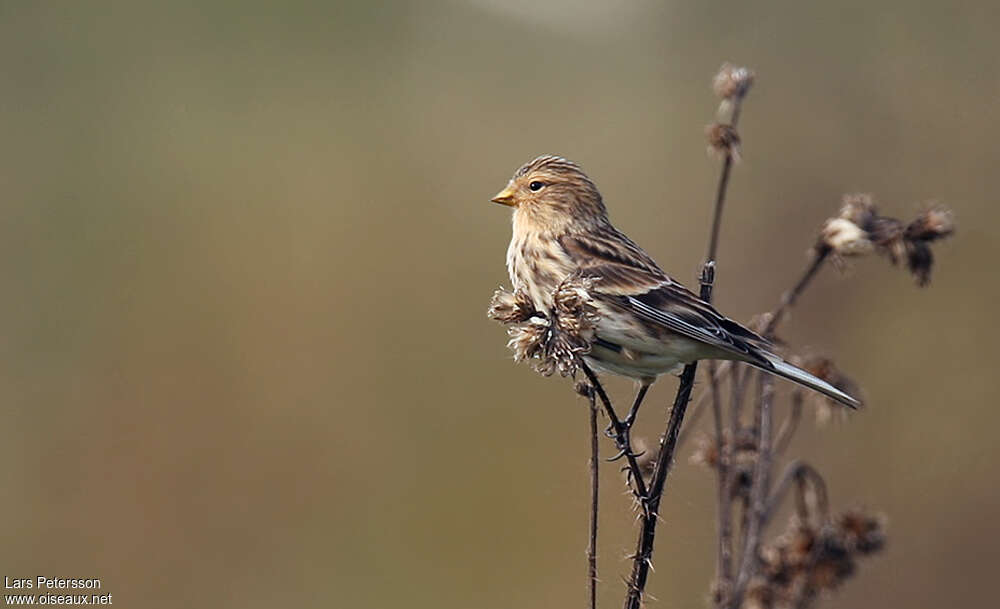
(934, 223)
(807, 559)
(510, 307)
(919, 260)
(556, 340)
(887, 235)
(844, 238)
(858, 230)
(574, 310)
(863, 532)
(732, 82)
(723, 140)
(760, 594)
(859, 208)
(527, 339)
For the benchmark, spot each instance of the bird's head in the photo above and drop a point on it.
(553, 193)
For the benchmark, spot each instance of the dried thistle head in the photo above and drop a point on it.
(863, 532)
(510, 307)
(528, 338)
(808, 559)
(732, 82)
(844, 238)
(858, 208)
(859, 230)
(574, 311)
(760, 594)
(556, 340)
(723, 141)
(935, 222)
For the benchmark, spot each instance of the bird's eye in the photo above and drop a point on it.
(535, 186)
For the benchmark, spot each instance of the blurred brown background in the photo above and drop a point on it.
(247, 251)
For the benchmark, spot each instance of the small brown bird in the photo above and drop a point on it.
(649, 324)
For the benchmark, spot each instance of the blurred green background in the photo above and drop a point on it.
(247, 250)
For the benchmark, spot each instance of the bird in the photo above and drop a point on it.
(649, 324)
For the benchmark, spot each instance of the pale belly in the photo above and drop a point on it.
(627, 349)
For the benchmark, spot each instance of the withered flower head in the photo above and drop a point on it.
(574, 310)
(759, 595)
(863, 532)
(807, 559)
(859, 230)
(859, 208)
(936, 222)
(844, 238)
(528, 338)
(556, 339)
(510, 307)
(723, 140)
(919, 260)
(732, 81)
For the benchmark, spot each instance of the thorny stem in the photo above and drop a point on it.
(664, 459)
(668, 443)
(594, 492)
(619, 429)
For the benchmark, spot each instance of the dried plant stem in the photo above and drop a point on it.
(668, 443)
(789, 298)
(759, 492)
(761, 506)
(651, 502)
(724, 483)
(724, 552)
(594, 503)
(800, 473)
(619, 430)
(738, 377)
(789, 425)
(774, 319)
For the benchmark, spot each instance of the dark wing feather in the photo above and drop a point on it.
(629, 279)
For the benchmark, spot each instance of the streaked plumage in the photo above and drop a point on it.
(649, 324)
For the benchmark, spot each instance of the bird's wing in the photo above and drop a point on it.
(628, 278)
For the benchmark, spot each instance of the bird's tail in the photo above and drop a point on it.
(783, 369)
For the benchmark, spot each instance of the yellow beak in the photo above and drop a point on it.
(505, 197)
